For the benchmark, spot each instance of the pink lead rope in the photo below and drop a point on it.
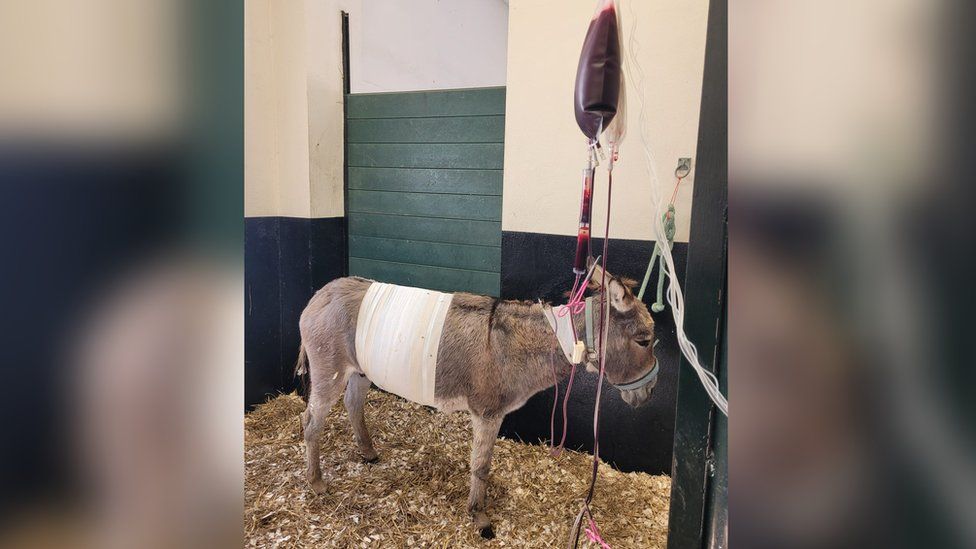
(575, 306)
(593, 532)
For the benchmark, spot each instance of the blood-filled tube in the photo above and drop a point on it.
(583, 237)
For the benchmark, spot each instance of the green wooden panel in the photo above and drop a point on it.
(431, 229)
(455, 206)
(423, 276)
(459, 256)
(482, 101)
(427, 180)
(424, 185)
(460, 129)
(424, 155)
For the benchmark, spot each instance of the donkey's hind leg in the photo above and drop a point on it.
(485, 433)
(355, 402)
(327, 382)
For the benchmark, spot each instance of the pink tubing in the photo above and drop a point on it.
(593, 533)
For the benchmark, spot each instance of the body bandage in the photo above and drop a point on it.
(397, 337)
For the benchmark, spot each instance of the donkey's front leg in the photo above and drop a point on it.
(485, 433)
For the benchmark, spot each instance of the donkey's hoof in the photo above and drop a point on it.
(319, 487)
(487, 532)
(374, 459)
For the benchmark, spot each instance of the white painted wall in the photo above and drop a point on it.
(429, 44)
(544, 148)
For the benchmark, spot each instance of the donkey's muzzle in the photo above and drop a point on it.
(639, 396)
(639, 391)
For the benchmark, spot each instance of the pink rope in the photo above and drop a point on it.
(576, 305)
(593, 533)
(576, 302)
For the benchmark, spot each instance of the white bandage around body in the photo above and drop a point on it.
(397, 338)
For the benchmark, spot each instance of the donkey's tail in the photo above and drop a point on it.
(301, 372)
(300, 368)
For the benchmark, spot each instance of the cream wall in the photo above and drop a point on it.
(544, 148)
(325, 98)
(293, 107)
(260, 151)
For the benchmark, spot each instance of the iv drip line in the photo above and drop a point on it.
(674, 293)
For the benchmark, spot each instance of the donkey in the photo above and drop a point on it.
(493, 355)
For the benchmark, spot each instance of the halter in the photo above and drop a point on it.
(590, 354)
(642, 381)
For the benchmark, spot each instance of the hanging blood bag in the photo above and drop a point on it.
(598, 76)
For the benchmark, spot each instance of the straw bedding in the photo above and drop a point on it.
(415, 496)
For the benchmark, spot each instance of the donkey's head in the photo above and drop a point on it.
(630, 364)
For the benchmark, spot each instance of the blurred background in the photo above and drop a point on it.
(121, 162)
(850, 273)
(851, 261)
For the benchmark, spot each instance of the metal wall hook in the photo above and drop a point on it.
(683, 169)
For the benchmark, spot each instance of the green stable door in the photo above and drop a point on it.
(424, 188)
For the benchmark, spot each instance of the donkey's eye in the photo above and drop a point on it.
(643, 342)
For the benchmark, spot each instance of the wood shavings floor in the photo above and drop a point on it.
(415, 496)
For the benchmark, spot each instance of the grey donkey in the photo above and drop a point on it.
(493, 356)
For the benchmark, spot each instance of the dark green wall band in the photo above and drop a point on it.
(451, 206)
(459, 129)
(438, 254)
(427, 229)
(424, 186)
(479, 156)
(469, 102)
(424, 276)
(487, 182)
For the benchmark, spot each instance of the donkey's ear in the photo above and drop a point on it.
(620, 297)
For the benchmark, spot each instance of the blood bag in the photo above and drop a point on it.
(598, 76)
